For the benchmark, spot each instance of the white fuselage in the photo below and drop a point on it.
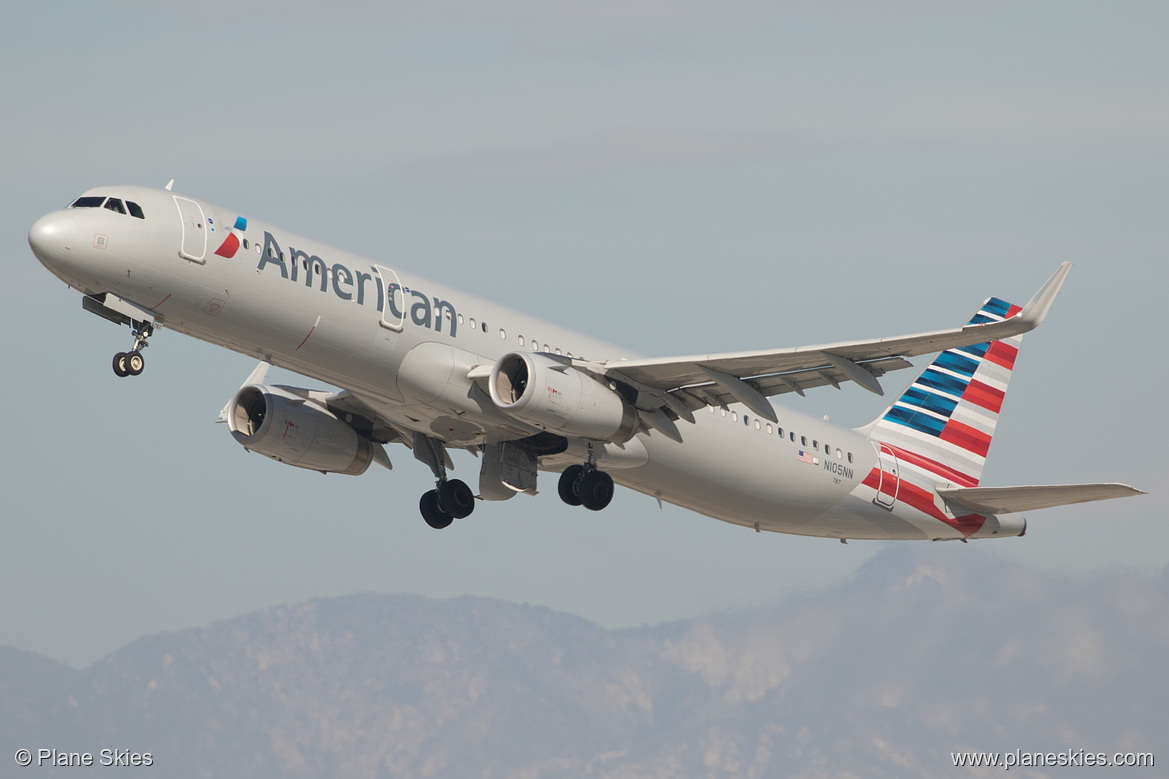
(405, 345)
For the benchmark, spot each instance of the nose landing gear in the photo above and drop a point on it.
(132, 363)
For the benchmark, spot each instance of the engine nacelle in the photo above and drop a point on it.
(552, 395)
(291, 430)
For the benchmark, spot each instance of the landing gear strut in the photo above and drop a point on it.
(132, 363)
(451, 499)
(584, 485)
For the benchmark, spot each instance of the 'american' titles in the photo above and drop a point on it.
(358, 286)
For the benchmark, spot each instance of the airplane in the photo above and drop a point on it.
(436, 369)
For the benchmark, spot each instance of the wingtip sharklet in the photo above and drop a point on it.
(1032, 314)
(1036, 309)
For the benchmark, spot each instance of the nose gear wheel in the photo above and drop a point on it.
(132, 363)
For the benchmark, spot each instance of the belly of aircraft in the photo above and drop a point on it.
(760, 488)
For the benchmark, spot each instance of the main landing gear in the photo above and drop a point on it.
(132, 363)
(451, 499)
(584, 485)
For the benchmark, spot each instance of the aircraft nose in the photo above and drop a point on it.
(51, 237)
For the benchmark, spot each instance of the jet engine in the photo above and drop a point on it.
(548, 393)
(295, 431)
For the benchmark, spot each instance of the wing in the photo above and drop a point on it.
(682, 385)
(1008, 500)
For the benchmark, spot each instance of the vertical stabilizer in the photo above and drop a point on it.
(943, 424)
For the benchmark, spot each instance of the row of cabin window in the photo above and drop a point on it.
(840, 455)
(534, 345)
(114, 204)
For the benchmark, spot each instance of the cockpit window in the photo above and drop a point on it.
(114, 204)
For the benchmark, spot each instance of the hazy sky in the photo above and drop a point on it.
(678, 177)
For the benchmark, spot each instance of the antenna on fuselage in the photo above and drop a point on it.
(171, 184)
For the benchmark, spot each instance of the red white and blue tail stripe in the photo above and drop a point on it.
(943, 424)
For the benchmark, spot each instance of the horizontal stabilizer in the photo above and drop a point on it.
(1007, 500)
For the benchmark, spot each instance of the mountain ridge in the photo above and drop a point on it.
(921, 653)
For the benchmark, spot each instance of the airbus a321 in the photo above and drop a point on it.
(425, 365)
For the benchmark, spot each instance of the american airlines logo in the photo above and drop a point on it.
(358, 286)
(231, 243)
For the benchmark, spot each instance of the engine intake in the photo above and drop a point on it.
(294, 431)
(550, 394)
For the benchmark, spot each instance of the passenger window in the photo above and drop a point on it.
(793, 437)
(804, 440)
(850, 458)
(839, 455)
(816, 445)
(484, 328)
(757, 425)
(136, 211)
(114, 204)
(734, 416)
(245, 244)
(88, 202)
(780, 431)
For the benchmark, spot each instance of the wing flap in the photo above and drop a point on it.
(1009, 500)
(828, 375)
(706, 392)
